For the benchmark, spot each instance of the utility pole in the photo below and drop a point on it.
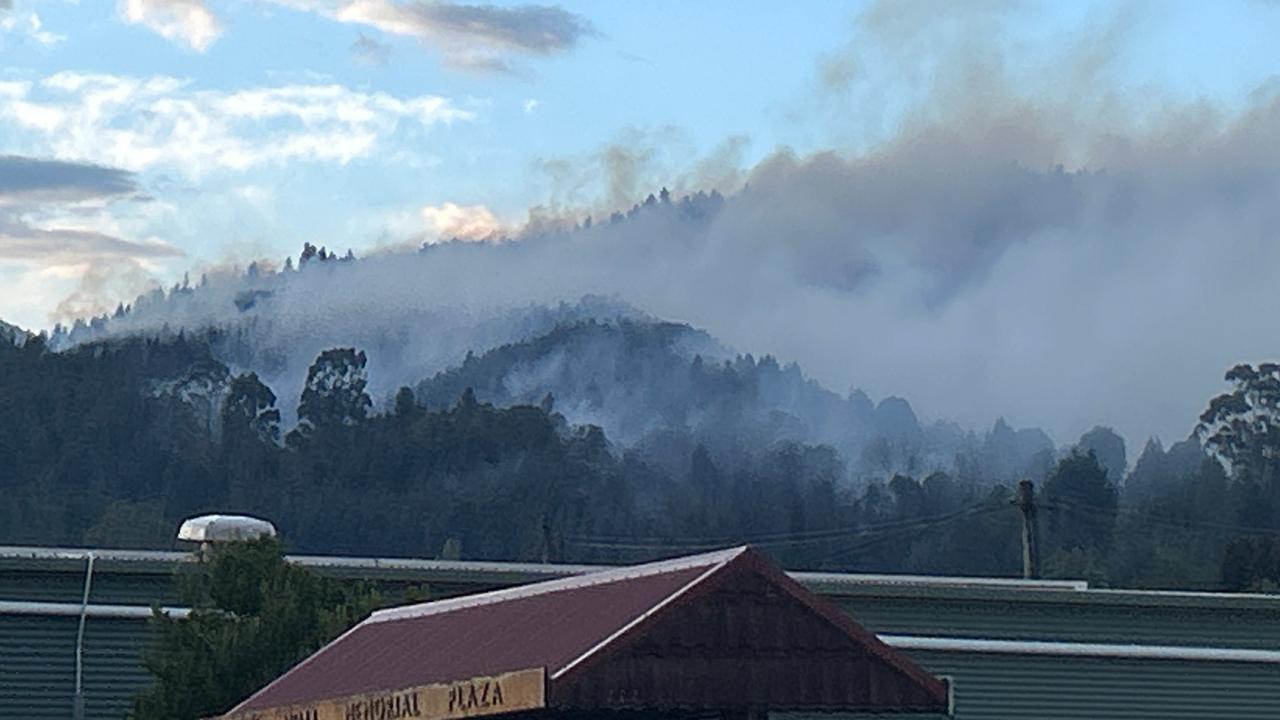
(546, 538)
(1026, 502)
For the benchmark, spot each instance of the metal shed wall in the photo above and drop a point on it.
(1074, 617)
(37, 666)
(1009, 687)
(58, 576)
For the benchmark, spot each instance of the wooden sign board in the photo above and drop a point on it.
(475, 697)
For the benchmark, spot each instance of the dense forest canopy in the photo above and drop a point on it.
(112, 443)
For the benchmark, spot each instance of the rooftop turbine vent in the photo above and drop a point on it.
(224, 528)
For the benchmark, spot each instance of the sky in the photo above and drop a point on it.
(142, 140)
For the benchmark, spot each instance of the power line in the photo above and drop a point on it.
(1162, 520)
(721, 540)
(768, 539)
(914, 529)
(782, 539)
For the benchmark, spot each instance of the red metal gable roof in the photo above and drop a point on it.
(720, 630)
(549, 624)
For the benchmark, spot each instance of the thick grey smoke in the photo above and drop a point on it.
(1065, 258)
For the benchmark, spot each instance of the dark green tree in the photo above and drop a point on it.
(254, 615)
(908, 496)
(250, 434)
(1242, 427)
(334, 395)
(1082, 504)
(249, 413)
(1252, 564)
(406, 405)
(1108, 446)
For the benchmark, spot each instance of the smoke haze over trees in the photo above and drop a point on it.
(113, 443)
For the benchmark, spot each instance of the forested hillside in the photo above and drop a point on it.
(663, 388)
(112, 444)
(656, 387)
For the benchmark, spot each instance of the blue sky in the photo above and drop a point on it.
(247, 127)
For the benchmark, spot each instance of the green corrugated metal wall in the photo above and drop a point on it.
(38, 665)
(1009, 687)
(1032, 619)
(63, 581)
(1006, 687)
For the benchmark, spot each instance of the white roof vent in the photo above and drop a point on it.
(224, 528)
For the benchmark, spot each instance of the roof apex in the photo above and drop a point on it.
(576, 582)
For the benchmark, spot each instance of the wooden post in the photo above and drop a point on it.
(1026, 502)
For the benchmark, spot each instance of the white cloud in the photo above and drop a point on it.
(189, 22)
(464, 222)
(55, 213)
(530, 105)
(73, 265)
(31, 26)
(43, 37)
(61, 245)
(10, 89)
(259, 195)
(141, 123)
(30, 292)
(473, 37)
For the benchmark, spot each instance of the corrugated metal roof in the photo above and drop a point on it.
(1131, 651)
(568, 626)
(118, 612)
(520, 569)
(507, 630)
(469, 575)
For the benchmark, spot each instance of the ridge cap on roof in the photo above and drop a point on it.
(575, 582)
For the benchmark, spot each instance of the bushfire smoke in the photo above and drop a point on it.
(1065, 257)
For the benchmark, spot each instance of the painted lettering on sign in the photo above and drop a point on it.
(466, 697)
(475, 697)
(391, 706)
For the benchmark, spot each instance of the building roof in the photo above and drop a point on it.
(503, 570)
(712, 614)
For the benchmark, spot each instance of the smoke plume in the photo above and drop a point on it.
(1064, 257)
